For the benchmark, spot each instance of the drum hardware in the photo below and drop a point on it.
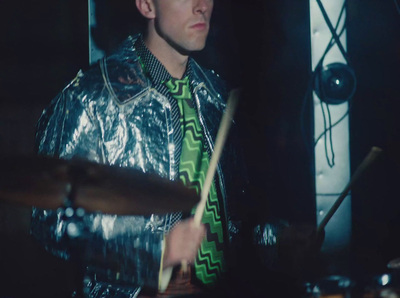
(383, 286)
(332, 286)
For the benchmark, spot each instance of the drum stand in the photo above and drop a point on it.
(77, 235)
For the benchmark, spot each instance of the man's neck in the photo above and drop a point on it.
(174, 62)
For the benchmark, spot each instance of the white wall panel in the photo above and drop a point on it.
(330, 181)
(95, 53)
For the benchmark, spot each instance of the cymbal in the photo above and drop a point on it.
(126, 191)
(51, 183)
(34, 181)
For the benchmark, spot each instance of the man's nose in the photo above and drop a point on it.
(202, 6)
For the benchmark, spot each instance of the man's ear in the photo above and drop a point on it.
(146, 8)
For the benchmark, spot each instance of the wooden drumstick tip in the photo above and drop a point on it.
(184, 266)
(376, 149)
(368, 160)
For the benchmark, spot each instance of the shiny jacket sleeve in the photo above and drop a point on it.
(67, 129)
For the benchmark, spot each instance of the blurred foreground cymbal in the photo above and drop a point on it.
(127, 191)
(34, 181)
(47, 182)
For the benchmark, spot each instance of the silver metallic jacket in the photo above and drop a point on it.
(112, 115)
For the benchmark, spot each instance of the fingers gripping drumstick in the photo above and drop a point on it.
(372, 155)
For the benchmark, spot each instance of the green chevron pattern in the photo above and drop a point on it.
(210, 261)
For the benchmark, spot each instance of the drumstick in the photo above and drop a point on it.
(372, 155)
(219, 145)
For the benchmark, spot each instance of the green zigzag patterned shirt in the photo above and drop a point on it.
(194, 162)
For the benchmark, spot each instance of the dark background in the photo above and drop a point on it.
(258, 45)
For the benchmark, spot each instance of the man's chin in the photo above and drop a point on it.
(189, 48)
(196, 45)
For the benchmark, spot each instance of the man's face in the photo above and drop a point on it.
(184, 24)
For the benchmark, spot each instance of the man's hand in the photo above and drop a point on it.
(183, 242)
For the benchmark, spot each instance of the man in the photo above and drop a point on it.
(125, 112)
(151, 107)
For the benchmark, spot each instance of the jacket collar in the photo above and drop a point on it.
(123, 72)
